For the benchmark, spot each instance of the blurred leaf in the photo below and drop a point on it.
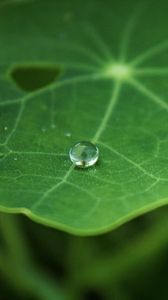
(111, 63)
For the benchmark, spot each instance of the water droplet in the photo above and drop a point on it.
(84, 154)
(5, 128)
(43, 129)
(15, 158)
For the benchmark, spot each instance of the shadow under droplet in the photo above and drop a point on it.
(89, 168)
(30, 78)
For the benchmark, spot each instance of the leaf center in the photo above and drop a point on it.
(119, 71)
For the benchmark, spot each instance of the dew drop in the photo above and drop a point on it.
(84, 154)
(15, 158)
(43, 129)
(5, 128)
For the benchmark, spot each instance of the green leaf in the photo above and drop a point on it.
(111, 63)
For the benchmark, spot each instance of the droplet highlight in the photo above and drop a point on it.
(84, 154)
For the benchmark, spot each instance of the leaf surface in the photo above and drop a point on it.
(111, 59)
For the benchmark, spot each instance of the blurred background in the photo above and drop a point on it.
(37, 262)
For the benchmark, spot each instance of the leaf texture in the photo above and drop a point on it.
(112, 90)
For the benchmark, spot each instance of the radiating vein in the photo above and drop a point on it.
(53, 188)
(91, 195)
(11, 102)
(128, 31)
(137, 166)
(83, 190)
(148, 93)
(149, 53)
(58, 84)
(53, 86)
(105, 49)
(107, 115)
(152, 71)
(109, 110)
(64, 83)
(18, 118)
(152, 185)
(38, 153)
(94, 51)
(94, 58)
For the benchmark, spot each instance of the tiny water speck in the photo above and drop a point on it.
(53, 126)
(5, 128)
(15, 158)
(68, 134)
(43, 129)
(84, 154)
